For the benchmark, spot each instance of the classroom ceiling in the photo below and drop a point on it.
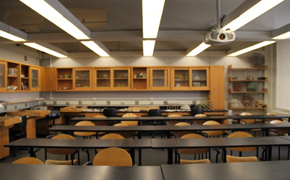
(118, 24)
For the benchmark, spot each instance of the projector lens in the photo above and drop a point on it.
(222, 36)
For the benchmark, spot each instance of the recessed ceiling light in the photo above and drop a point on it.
(96, 47)
(148, 47)
(47, 48)
(198, 49)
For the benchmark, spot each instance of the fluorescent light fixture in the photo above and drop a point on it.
(148, 47)
(12, 33)
(97, 47)
(252, 13)
(152, 12)
(198, 49)
(282, 33)
(285, 35)
(251, 48)
(55, 12)
(48, 48)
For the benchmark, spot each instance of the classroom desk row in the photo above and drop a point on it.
(238, 171)
(169, 128)
(169, 144)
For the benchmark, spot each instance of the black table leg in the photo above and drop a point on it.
(31, 152)
(170, 154)
(140, 156)
(224, 155)
(132, 153)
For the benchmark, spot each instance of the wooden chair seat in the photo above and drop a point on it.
(232, 159)
(200, 161)
(58, 162)
(124, 134)
(199, 122)
(179, 134)
(239, 134)
(212, 133)
(84, 134)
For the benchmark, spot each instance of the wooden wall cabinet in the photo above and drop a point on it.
(34, 83)
(64, 79)
(3, 76)
(140, 78)
(160, 78)
(82, 79)
(102, 78)
(121, 80)
(180, 78)
(200, 78)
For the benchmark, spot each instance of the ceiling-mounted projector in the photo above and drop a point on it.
(219, 37)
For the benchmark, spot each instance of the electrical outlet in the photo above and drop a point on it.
(94, 103)
(165, 102)
(122, 103)
(15, 107)
(136, 102)
(108, 102)
(25, 104)
(80, 102)
(67, 103)
(54, 103)
(5, 108)
(151, 103)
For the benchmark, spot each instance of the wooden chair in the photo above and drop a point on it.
(199, 122)
(110, 136)
(201, 161)
(101, 123)
(124, 134)
(173, 116)
(212, 133)
(28, 160)
(62, 151)
(279, 132)
(85, 135)
(248, 121)
(179, 134)
(113, 157)
(130, 123)
(270, 114)
(192, 151)
(233, 159)
(239, 134)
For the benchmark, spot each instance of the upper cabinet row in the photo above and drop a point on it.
(132, 78)
(17, 77)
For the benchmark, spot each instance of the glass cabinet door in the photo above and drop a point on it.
(180, 78)
(82, 79)
(3, 72)
(121, 79)
(34, 77)
(200, 78)
(103, 78)
(160, 78)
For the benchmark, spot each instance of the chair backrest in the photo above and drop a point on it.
(154, 112)
(101, 123)
(61, 151)
(23, 123)
(112, 157)
(199, 122)
(200, 161)
(278, 132)
(110, 112)
(124, 134)
(129, 115)
(239, 134)
(84, 123)
(179, 134)
(247, 121)
(212, 133)
(28, 160)
(232, 159)
(174, 115)
(195, 150)
(200, 115)
(271, 114)
(112, 136)
(130, 123)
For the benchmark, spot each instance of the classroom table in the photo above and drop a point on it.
(63, 172)
(266, 170)
(182, 118)
(131, 144)
(169, 128)
(171, 144)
